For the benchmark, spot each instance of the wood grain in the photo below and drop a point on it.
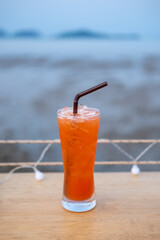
(127, 208)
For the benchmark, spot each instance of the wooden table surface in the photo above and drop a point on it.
(127, 208)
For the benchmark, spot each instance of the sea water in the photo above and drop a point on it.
(37, 77)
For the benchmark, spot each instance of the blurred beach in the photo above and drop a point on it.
(37, 77)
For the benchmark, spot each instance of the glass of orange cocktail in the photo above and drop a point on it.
(78, 128)
(78, 135)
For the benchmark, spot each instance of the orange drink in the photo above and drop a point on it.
(78, 135)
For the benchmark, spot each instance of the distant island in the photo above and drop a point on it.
(81, 34)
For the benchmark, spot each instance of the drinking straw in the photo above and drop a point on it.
(81, 94)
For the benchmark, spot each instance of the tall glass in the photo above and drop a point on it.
(78, 135)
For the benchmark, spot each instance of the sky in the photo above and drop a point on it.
(108, 16)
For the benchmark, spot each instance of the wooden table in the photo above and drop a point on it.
(127, 208)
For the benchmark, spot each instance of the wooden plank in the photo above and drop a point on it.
(127, 208)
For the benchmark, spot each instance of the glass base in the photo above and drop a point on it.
(78, 206)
